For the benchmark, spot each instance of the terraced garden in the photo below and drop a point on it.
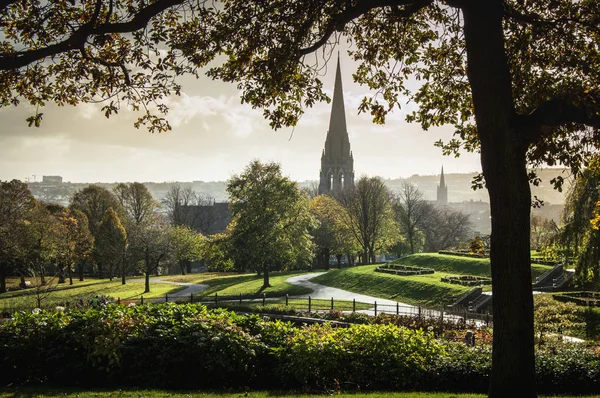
(427, 290)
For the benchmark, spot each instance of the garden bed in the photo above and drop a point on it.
(466, 280)
(404, 270)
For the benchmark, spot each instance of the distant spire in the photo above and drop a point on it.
(442, 181)
(337, 122)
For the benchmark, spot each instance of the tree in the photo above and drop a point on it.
(150, 245)
(412, 213)
(332, 236)
(187, 207)
(551, 316)
(528, 95)
(137, 201)
(71, 239)
(578, 239)
(272, 219)
(543, 232)
(446, 228)
(111, 244)
(16, 204)
(186, 246)
(94, 201)
(369, 216)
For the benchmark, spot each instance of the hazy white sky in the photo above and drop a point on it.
(213, 137)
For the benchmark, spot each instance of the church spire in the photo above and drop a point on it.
(337, 121)
(442, 191)
(337, 163)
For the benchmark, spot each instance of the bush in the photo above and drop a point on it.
(362, 356)
(404, 270)
(188, 346)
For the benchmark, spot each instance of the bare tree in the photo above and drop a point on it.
(189, 208)
(446, 228)
(369, 215)
(412, 213)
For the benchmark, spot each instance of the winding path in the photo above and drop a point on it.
(326, 292)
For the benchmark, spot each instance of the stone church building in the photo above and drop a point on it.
(337, 163)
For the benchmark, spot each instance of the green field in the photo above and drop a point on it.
(58, 294)
(251, 284)
(425, 290)
(459, 265)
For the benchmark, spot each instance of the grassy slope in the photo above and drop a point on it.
(133, 289)
(425, 290)
(251, 284)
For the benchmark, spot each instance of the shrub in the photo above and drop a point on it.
(364, 356)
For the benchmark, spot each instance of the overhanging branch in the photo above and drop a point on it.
(338, 22)
(79, 37)
(560, 111)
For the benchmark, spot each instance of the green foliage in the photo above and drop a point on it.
(111, 242)
(363, 356)
(578, 238)
(189, 346)
(271, 220)
(552, 316)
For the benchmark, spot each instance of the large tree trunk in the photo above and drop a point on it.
(503, 151)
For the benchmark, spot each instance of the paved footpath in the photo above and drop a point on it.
(326, 292)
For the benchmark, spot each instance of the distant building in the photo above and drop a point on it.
(52, 179)
(337, 162)
(442, 191)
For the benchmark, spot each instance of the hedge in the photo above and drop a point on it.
(190, 347)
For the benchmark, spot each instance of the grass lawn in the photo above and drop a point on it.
(47, 393)
(251, 284)
(459, 265)
(132, 290)
(426, 290)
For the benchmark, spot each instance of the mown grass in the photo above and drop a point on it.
(59, 294)
(426, 290)
(251, 284)
(70, 393)
(459, 265)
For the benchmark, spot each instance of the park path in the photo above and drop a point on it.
(326, 293)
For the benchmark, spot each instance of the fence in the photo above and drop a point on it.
(302, 304)
(310, 304)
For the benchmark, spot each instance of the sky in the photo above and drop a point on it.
(213, 137)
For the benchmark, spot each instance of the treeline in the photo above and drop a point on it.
(274, 225)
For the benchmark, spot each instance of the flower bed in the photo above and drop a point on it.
(462, 253)
(404, 270)
(467, 280)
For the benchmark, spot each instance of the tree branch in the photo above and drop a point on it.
(532, 18)
(80, 36)
(5, 3)
(338, 22)
(559, 111)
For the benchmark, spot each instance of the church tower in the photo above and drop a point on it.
(442, 191)
(337, 163)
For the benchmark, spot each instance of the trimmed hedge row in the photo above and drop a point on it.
(188, 346)
(467, 280)
(404, 270)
